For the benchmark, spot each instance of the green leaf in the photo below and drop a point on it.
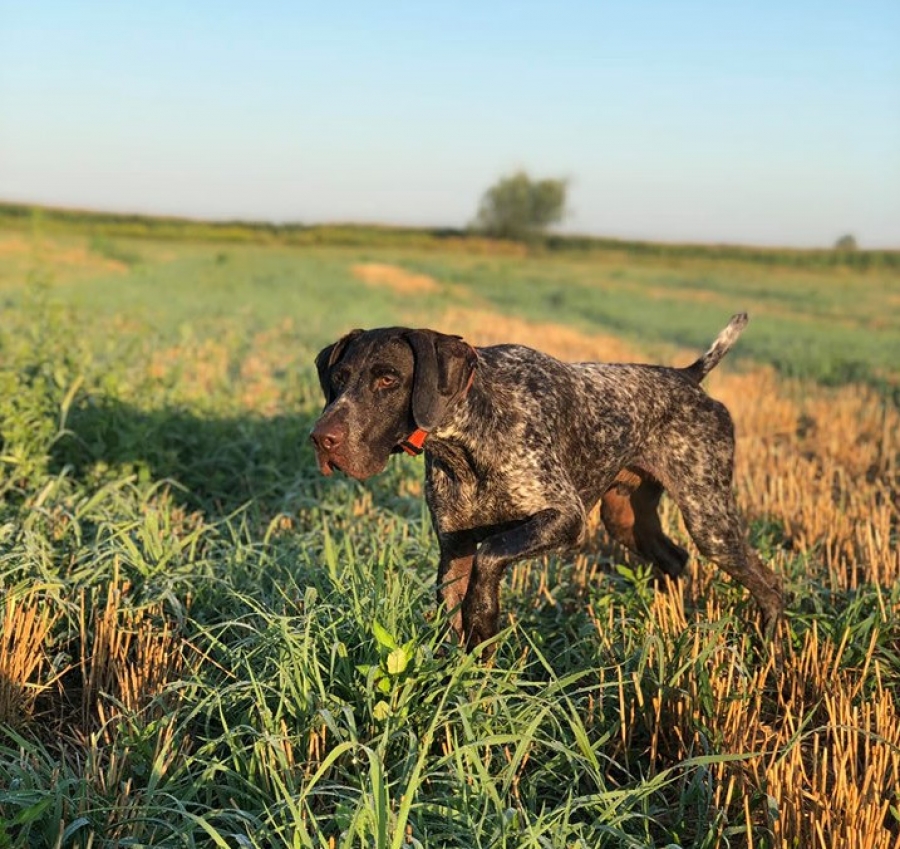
(625, 572)
(74, 826)
(397, 661)
(382, 636)
(381, 711)
(32, 813)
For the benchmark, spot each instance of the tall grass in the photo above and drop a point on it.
(205, 643)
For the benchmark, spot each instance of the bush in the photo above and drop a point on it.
(846, 243)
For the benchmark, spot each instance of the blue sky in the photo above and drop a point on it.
(763, 122)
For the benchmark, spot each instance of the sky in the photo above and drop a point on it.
(773, 123)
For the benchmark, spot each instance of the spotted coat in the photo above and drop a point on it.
(519, 447)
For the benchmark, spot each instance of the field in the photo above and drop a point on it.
(206, 643)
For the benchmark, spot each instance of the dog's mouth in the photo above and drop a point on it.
(327, 463)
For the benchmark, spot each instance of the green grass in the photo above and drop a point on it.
(281, 646)
(828, 326)
(312, 700)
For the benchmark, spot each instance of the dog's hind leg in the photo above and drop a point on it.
(629, 510)
(702, 488)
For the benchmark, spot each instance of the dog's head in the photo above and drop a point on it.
(381, 386)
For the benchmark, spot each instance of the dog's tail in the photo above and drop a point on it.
(698, 370)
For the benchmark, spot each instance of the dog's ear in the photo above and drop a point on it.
(444, 365)
(328, 357)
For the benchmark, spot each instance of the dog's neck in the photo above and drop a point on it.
(472, 423)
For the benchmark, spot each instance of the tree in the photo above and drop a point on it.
(846, 243)
(517, 207)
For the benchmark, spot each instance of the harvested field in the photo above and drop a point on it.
(204, 642)
(394, 278)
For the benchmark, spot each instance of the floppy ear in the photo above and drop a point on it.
(328, 357)
(444, 365)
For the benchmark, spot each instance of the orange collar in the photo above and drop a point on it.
(414, 444)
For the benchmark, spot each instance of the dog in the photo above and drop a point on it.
(519, 447)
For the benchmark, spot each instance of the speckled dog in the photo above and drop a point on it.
(520, 446)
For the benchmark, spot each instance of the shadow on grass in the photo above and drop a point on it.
(217, 464)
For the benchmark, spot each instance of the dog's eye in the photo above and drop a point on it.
(339, 378)
(386, 381)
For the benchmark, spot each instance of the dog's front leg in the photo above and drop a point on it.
(454, 571)
(549, 529)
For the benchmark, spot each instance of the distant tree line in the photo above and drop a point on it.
(111, 225)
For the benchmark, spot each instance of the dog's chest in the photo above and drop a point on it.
(465, 489)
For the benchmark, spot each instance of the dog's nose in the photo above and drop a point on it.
(325, 438)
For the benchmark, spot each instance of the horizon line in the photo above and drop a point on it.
(463, 231)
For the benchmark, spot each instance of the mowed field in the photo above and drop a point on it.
(206, 643)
